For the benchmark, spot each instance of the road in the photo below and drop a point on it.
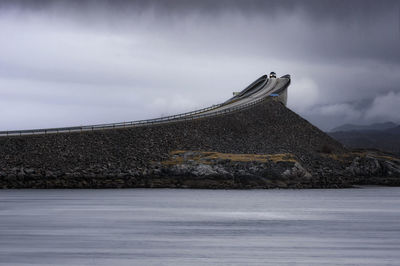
(256, 92)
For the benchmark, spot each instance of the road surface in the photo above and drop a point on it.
(256, 92)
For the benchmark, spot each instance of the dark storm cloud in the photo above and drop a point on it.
(167, 56)
(352, 28)
(338, 11)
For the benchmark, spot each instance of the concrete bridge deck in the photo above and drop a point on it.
(255, 93)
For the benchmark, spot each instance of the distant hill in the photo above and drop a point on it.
(376, 126)
(395, 130)
(370, 137)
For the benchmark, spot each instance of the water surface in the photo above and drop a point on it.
(200, 227)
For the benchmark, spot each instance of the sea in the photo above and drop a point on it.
(358, 226)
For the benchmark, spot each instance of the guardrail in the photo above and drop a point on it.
(173, 118)
(109, 125)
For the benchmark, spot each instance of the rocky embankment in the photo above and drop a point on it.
(222, 170)
(370, 167)
(267, 146)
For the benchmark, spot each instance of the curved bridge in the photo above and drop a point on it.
(253, 94)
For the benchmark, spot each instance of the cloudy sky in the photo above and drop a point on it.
(65, 63)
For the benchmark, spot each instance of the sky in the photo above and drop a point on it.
(70, 63)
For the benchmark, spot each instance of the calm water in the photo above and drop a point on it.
(200, 227)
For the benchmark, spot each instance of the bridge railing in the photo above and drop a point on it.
(201, 113)
(104, 126)
(179, 117)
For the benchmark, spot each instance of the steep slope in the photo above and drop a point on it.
(267, 128)
(264, 146)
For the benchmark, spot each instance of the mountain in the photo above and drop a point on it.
(384, 139)
(376, 126)
(395, 130)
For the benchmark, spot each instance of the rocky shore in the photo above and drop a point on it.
(213, 170)
(267, 146)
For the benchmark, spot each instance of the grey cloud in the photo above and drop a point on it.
(331, 28)
(336, 11)
(382, 108)
(139, 59)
